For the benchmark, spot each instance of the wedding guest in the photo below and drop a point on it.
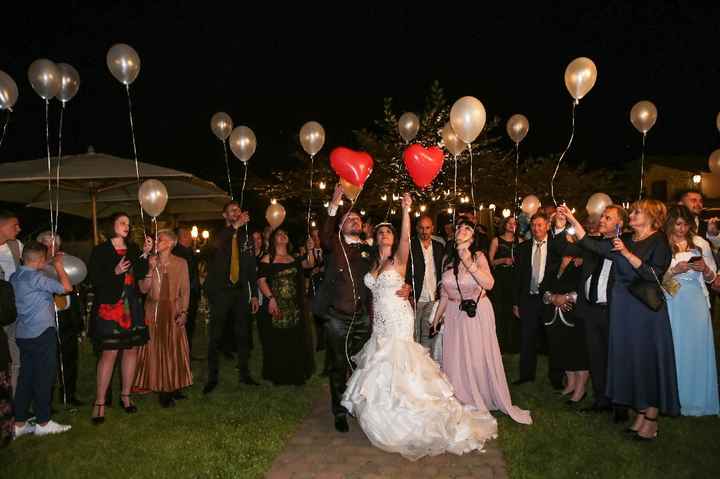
(502, 260)
(10, 252)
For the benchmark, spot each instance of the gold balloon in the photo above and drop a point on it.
(517, 127)
(580, 76)
(44, 77)
(408, 126)
(69, 82)
(530, 205)
(643, 116)
(451, 141)
(714, 162)
(467, 118)
(275, 215)
(153, 197)
(221, 125)
(349, 190)
(243, 143)
(597, 203)
(123, 62)
(8, 91)
(312, 137)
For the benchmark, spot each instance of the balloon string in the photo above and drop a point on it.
(312, 172)
(49, 166)
(472, 184)
(5, 125)
(227, 169)
(352, 279)
(572, 135)
(454, 203)
(60, 354)
(242, 199)
(517, 169)
(135, 157)
(642, 166)
(57, 170)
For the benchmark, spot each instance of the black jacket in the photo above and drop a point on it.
(218, 277)
(418, 260)
(522, 273)
(101, 271)
(590, 262)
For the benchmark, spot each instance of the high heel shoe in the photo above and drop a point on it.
(570, 402)
(654, 437)
(629, 429)
(131, 408)
(97, 420)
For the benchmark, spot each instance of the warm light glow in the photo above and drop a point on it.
(321, 185)
(450, 210)
(392, 211)
(313, 224)
(326, 204)
(197, 250)
(697, 179)
(383, 197)
(482, 207)
(194, 232)
(492, 206)
(362, 212)
(417, 214)
(205, 234)
(423, 208)
(506, 213)
(572, 211)
(446, 192)
(342, 202)
(395, 197)
(273, 201)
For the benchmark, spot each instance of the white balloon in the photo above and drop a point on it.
(153, 197)
(73, 266)
(597, 203)
(530, 205)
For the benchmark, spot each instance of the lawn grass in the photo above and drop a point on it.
(236, 432)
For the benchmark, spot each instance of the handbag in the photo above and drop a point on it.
(649, 293)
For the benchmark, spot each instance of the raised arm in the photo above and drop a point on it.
(403, 251)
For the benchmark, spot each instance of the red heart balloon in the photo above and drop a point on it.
(350, 165)
(423, 164)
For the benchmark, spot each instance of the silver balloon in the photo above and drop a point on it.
(597, 203)
(123, 62)
(153, 197)
(8, 91)
(73, 266)
(243, 143)
(408, 126)
(44, 77)
(312, 137)
(467, 117)
(221, 125)
(69, 82)
(451, 141)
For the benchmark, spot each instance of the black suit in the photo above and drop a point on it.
(419, 265)
(230, 300)
(596, 318)
(342, 300)
(531, 306)
(189, 255)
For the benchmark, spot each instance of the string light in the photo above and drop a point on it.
(506, 213)
(322, 185)
(417, 214)
(326, 204)
(273, 201)
(383, 197)
(205, 234)
(362, 212)
(423, 208)
(492, 206)
(392, 211)
(313, 224)
(450, 211)
(194, 232)
(696, 179)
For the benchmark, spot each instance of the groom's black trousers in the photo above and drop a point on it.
(336, 332)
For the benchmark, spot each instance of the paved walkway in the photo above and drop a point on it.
(317, 451)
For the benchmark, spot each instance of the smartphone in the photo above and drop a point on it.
(617, 231)
(694, 259)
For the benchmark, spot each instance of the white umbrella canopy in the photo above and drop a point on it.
(96, 185)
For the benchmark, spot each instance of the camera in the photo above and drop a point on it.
(469, 306)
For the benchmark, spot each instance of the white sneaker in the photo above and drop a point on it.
(51, 428)
(26, 429)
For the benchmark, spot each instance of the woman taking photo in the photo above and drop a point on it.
(117, 320)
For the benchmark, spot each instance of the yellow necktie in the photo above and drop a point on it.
(235, 260)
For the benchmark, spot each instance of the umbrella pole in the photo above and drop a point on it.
(93, 198)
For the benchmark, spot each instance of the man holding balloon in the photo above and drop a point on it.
(232, 293)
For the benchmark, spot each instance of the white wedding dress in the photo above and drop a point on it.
(399, 395)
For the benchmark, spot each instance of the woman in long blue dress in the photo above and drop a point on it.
(689, 308)
(641, 356)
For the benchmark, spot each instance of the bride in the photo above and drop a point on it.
(398, 394)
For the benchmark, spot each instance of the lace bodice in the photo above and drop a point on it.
(392, 315)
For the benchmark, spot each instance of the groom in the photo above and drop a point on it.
(343, 299)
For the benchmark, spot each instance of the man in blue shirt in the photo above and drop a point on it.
(36, 338)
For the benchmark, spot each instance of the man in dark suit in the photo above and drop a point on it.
(184, 250)
(231, 288)
(593, 299)
(693, 200)
(343, 298)
(426, 269)
(533, 259)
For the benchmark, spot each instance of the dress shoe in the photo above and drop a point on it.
(178, 395)
(570, 402)
(166, 400)
(341, 424)
(209, 387)
(596, 408)
(130, 408)
(100, 417)
(247, 379)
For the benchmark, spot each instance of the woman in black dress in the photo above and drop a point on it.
(565, 331)
(641, 357)
(117, 320)
(282, 322)
(502, 252)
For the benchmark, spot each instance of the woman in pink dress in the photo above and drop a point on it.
(471, 354)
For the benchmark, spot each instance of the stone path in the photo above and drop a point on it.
(317, 451)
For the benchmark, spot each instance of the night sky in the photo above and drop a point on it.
(274, 69)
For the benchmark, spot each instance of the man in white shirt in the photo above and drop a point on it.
(10, 253)
(426, 270)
